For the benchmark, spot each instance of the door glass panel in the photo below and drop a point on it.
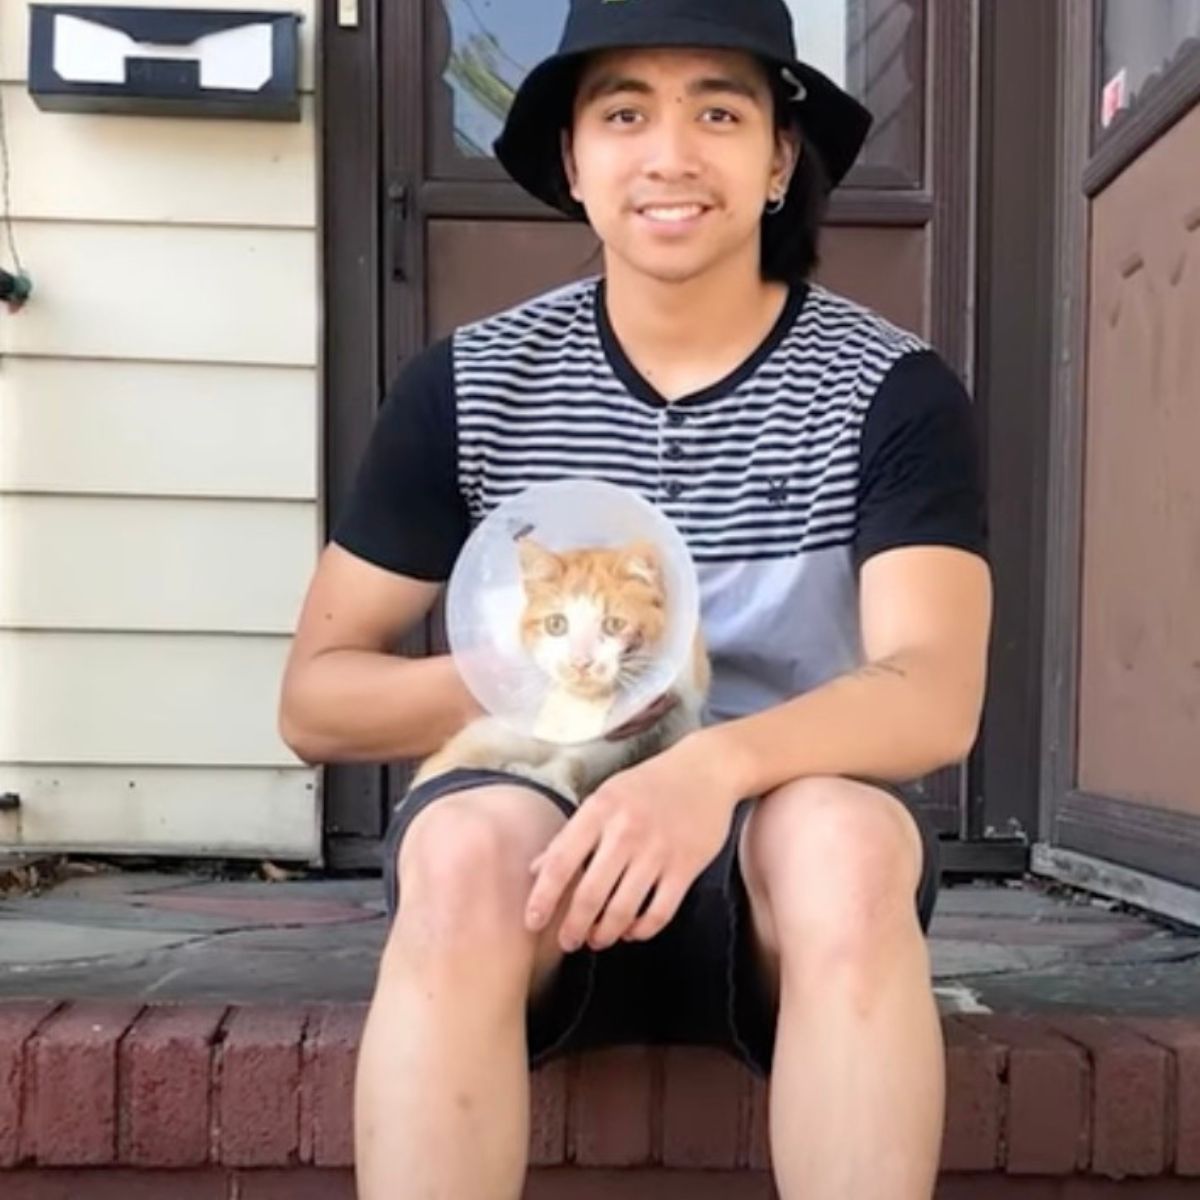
(1139, 39)
(871, 47)
(493, 46)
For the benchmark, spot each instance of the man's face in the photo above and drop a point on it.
(674, 155)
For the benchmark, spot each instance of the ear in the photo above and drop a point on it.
(538, 565)
(569, 167)
(640, 561)
(785, 161)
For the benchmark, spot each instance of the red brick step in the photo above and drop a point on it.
(105, 1099)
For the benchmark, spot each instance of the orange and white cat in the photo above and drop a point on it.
(593, 620)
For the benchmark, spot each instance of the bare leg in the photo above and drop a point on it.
(857, 1085)
(442, 1092)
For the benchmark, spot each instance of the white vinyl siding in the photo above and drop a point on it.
(158, 474)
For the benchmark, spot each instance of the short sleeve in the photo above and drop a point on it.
(919, 473)
(405, 512)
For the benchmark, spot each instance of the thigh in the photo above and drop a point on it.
(756, 967)
(530, 812)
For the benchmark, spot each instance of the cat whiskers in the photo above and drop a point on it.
(638, 660)
(631, 670)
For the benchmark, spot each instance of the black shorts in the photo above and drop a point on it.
(696, 983)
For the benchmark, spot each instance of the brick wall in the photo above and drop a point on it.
(106, 1099)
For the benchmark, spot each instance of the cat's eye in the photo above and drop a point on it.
(556, 625)
(614, 626)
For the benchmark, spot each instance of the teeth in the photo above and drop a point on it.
(681, 212)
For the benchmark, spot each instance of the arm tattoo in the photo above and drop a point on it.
(882, 667)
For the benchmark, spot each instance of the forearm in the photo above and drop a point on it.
(893, 720)
(361, 706)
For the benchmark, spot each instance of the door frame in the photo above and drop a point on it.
(362, 228)
(1108, 844)
(1015, 303)
(351, 375)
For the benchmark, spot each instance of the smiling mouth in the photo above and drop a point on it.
(672, 214)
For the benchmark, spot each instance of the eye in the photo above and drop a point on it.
(614, 626)
(555, 625)
(623, 116)
(721, 116)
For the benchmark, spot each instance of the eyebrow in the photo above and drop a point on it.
(612, 85)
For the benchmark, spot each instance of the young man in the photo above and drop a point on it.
(820, 464)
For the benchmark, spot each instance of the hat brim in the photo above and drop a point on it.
(530, 145)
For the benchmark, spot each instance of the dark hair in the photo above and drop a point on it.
(791, 237)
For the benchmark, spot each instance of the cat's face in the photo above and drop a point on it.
(592, 617)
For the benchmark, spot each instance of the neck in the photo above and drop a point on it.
(726, 311)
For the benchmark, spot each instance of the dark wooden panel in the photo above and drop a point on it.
(478, 267)
(481, 267)
(401, 263)
(885, 269)
(1139, 682)
(953, 125)
(1064, 466)
(1013, 375)
(350, 244)
(351, 379)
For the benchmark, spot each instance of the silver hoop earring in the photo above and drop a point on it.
(775, 206)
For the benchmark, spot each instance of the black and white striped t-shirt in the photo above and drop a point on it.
(840, 437)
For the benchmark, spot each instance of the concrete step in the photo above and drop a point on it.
(106, 1099)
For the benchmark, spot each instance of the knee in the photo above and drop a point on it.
(463, 879)
(836, 864)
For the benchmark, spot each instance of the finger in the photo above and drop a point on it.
(668, 896)
(557, 866)
(626, 902)
(593, 891)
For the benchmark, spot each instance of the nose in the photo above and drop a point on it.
(581, 652)
(671, 152)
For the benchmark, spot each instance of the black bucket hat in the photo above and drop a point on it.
(529, 147)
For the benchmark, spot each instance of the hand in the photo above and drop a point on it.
(646, 719)
(651, 829)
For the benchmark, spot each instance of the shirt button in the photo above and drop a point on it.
(674, 451)
(675, 417)
(674, 489)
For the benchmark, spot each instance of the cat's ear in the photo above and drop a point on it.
(640, 561)
(538, 565)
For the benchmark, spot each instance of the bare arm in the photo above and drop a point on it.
(345, 697)
(913, 708)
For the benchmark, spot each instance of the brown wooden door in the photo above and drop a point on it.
(1122, 780)
(457, 240)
